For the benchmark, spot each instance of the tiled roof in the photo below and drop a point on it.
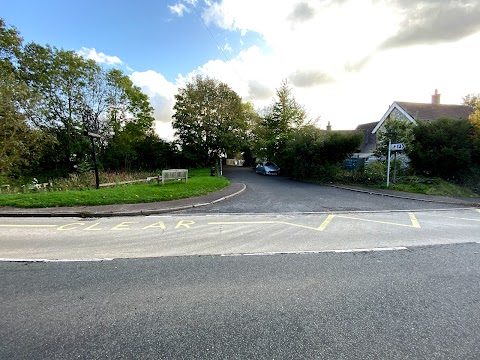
(368, 126)
(369, 139)
(428, 112)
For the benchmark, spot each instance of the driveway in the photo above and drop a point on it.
(278, 194)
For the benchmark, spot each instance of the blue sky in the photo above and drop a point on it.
(144, 34)
(347, 60)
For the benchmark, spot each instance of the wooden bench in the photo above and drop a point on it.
(174, 174)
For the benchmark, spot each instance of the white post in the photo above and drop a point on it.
(221, 166)
(388, 167)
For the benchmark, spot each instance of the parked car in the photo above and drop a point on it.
(267, 168)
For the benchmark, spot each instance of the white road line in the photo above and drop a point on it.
(26, 226)
(55, 260)
(397, 248)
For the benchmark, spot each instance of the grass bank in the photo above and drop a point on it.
(426, 186)
(199, 183)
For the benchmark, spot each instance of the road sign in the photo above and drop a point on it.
(91, 134)
(397, 147)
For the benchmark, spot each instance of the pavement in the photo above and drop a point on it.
(212, 198)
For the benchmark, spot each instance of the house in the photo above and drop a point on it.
(369, 139)
(421, 112)
(413, 112)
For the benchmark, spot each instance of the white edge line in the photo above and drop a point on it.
(397, 248)
(55, 260)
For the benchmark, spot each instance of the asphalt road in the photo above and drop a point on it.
(285, 270)
(277, 194)
(416, 304)
(220, 234)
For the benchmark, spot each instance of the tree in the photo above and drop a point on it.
(277, 123)
(209, 120)
(77, 95)
(60, 79)
(50, 91)
(21, 145)
(10, 48)
(474, 101)
(128, 121)
(396, 131)
(444, 148)
(312, 153)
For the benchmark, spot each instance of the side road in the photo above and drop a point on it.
(182, 204)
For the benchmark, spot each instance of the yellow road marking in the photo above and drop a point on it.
(67, 227)
(124, 225)
(263, 223)
(413, 219)
(323, 226)
(326, 222)
(93, 227)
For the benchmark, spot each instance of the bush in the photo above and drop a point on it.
(375, 172)
(444, 148)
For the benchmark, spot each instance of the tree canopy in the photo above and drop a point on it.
(50, 96)
(277, 123)
(209, 120)
(396, 131)
(444, 148)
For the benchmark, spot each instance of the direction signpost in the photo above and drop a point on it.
(393, 147)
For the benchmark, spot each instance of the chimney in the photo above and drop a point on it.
(329, 127)
(436, 98)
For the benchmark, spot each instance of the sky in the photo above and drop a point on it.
(347, 61)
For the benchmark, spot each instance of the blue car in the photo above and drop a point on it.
(267, 168)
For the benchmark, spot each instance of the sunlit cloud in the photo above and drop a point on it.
(178, 9)
(161, 94)
(99, 57)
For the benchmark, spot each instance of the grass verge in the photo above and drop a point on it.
(199, 183)
(435, 186)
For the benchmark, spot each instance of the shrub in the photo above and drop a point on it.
(375, 172)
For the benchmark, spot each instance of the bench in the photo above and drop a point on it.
(174, 174)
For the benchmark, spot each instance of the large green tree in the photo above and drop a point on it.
(444, 148)
(394, 131)
(474, 101)
(21, 145)
(278, 121)
(209, 120)
(128, 121)
(60, 80)
(56, 94)
(312, 153)
(77, 95)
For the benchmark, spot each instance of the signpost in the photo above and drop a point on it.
(393, 147)
(397, 147)
(93, 136)
(88, 118)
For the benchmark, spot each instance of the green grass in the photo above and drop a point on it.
(433, 186)
(199, 183)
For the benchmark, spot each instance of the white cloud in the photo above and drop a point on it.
(332, 52)
(178, 9)
(162, 98)
(99, 57)
(227, 47)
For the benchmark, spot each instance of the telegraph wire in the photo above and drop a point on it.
(211, 34)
